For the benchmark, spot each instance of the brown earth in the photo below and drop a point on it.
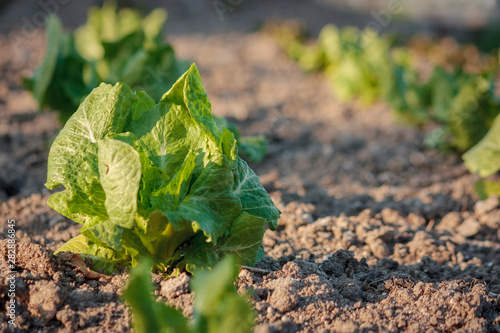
(377, 233)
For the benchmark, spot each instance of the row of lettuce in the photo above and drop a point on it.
(451, 86)
(114, 45)
(154, 178)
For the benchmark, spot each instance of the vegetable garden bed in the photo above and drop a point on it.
(376, 231)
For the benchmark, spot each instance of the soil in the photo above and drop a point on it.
(377, 233)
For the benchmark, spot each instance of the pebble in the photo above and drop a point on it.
(469, 227)
(379, 248)
(486, 206)
(449, 222)
(174, 287)
(283, 299)
(45, 298)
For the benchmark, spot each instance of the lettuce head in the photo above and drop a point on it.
(158, 180)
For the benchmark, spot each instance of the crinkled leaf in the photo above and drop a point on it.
(143, 104)
(179, 125)
(103, 258)
(103, 113)
(253, 196)
(484, 157)
(77, 244)
(189, 93)
(243, 241)
(210, 204)
(106, 234)
(171, 195)
(120, 174)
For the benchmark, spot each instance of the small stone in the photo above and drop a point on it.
(45, 298)
(262, 328)
(486, 206)
(307, 218)
(379, 248)
(449, 222)
(174, 287)
(284, 298)
(416, 219)
(469, 227)
(390, 216)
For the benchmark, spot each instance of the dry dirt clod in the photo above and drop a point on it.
(175, 287)
(485, 206)
(45, 298)
(284, 298)
(469, 227)
(379, 248)
(450, 222)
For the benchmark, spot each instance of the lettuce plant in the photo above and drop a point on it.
(484, 159)
(156, 179)
(354, 61)
(363, 65)
(112, 46)
(58, 83)
(458, 95)
(217, 305)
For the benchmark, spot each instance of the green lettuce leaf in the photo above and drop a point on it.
(149, 315)
(217, 305)
(156, 180)
(251, 148)
(471, 113)
(120, 173)
(112, 46)
(484, 157)
(243, 241)
(73, 155)
(362, 65)
(248, 188)
(58, 83)
(42, 77)
(485, 188)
